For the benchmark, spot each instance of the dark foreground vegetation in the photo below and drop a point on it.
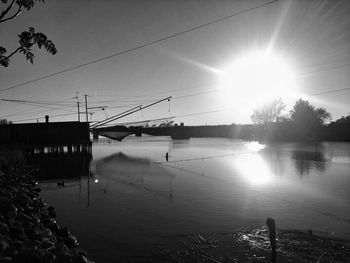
(28, 230)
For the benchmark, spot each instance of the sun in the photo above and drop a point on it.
(256, 78)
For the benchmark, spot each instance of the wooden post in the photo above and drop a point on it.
(272, 233)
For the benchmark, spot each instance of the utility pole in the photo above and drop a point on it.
(78, 103)
(77, 97)
(86, 109)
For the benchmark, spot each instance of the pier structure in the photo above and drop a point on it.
(49, 137)
(59, 149)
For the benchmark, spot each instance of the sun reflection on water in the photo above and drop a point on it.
(253, 169)
(254, 146)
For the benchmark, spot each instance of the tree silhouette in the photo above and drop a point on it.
(344, 119)
(27, 39)
(268, 113)
(308, 119)
(305, 113)
(4, 121)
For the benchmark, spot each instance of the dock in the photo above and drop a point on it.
(59, 149)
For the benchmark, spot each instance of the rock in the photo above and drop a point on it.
(63, 258)
(17, 245)
(64, 232)
(46, 232)
(52, 214)
(4, 229)
(80, 259)
(82, 252)
(38, 190)
(51, 224)
(11, 212)
(4, 245)
(46, 244)
(22, 199)
(27, 255)
(4, 204)
(28, 232)
(16, 231)
(5, 259)
(25, 217)
(71, 241)
(60, 249)
(46, 256)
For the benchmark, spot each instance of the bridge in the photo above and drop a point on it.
(119, 132)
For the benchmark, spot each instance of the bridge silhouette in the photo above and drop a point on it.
(119, 132)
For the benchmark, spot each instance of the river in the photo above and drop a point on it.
(208, 185)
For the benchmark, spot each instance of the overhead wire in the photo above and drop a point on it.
(43, 106)
(328, 92)
(325, 69)
(140, 46)
(205, 92)
(199, 93)
(163, 39)
(161, 92)
(58, 115)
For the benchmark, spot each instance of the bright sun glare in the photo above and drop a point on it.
(253, 169)
(256, 78)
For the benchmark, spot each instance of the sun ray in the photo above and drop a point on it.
(188, 61)
(279, 25)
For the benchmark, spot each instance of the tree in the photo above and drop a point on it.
(308, 120)
(344, 119)
(27, 39)
(5, 121)
(268, 113)
(166, 124)
(306, 114)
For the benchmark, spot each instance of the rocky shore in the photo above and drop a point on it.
(28, 230)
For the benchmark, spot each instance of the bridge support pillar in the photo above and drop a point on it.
(95, 135)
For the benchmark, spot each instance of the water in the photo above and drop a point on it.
(208, 186)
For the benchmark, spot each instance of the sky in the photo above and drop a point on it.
(310, 37)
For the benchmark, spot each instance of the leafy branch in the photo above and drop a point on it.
(27, 4)
(27, 40)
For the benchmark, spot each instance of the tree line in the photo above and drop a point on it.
(304, 121)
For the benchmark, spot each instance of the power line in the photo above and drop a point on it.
(178, 97)
(325, 69)
(41, 106)
(326, 63)
(38, 103)
(139, 47)
(158, 93)
(58, 115)
(328, 92)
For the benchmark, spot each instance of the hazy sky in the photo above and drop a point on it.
(312, 36)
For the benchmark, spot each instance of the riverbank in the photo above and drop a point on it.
(248, 246)
(28, 230)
